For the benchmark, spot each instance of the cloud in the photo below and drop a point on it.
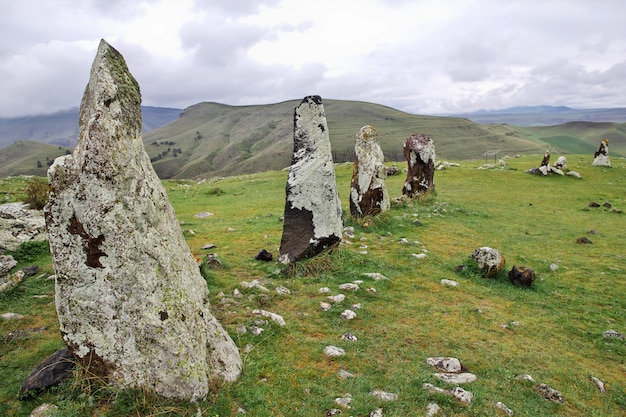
(418, 56)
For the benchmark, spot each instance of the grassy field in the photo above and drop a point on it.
(552, 331)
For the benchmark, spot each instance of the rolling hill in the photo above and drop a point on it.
(209, 140)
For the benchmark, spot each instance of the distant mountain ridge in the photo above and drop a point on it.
(61, 128)
(210, 139)
(543, 115)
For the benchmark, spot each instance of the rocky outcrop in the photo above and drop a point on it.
(19, 224)
(368, 192)
(313, 216)
(131, 302)
(419, 151)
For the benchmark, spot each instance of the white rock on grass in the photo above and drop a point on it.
(462, 395)
(348, 315)
(445, 364)
(324, 290)
(419, 255)
(432, 409)
(384, 396)
(272, 316)
(333, 351)
(376, 413)
(599, 384)
(504, 408)
(452, 378)
(350, 286)
(336, 298)
(376, 276)
(344, 401)
(449, 282)
(325, 306)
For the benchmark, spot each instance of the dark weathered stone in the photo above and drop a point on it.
(131, 302)
(419, 151)
(313, 217)
(368, 192)
(53, 370)
(522, 276)
(263, 255)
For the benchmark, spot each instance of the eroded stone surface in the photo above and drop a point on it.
(313, 216)
(368, 192)
(131, 302)
(419, 151)
(488, 260)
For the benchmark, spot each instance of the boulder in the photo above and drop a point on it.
(131, 303)
(19, 224)
(601, 156)
(313, 214)
(488, 260)
(368, 192)
(419, 151)
(522, 276)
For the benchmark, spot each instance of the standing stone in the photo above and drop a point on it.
(131, 302)
(368, 192)
(312, 220)
(419, 151)
(601, 157)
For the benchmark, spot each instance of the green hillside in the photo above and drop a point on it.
(28, 158)
(213, 139)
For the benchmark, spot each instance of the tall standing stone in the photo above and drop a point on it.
(130, 299)
(368, 191)
(601, 156)
(419, 151)
(313, 217)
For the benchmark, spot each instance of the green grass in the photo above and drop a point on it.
(532, 221)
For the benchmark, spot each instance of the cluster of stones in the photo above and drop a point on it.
(558, 168)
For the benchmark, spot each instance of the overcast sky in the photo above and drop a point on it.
(420, 56)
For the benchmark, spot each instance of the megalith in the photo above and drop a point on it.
(601, 156)
(419, 151)
(368, 191)
(131, 302)
(313, 216)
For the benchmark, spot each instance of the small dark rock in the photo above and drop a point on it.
(583, 240)
(264, 255)
(417, 223)
(212, 261)
(593, 204)
(53, 370)
(607, 205)
(522, 276)
(31, 270)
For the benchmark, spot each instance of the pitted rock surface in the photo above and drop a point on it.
(131, 302)
(313, 215)
(419, 151)
(368, 192)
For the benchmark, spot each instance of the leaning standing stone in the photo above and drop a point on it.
(368, 192)
(312, 208)
(132, 305)
(419, 151)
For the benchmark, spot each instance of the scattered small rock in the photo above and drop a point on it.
(349, 337)
(554, 267)
(12, 316)
(203, 215)
(449, 282)
(264, 256)
(344, 401)
(525, 377)
(348, 315)
(333, 351)
(336, 298)
(324, 290)
(462, 378)
(333, 412)
(445, 364)
(432, 409)
(325, 306)
(343, 374)
(376, 276)
(612, 334)
(384, 396)
(584, 240)
(208, 246)
(599, 384)
(376, 413)
(273, 316)
(350, 286)
(549, 393)
(462, 395)
(282, 290)
(419, 255)
(45, 410)
(504, 408)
